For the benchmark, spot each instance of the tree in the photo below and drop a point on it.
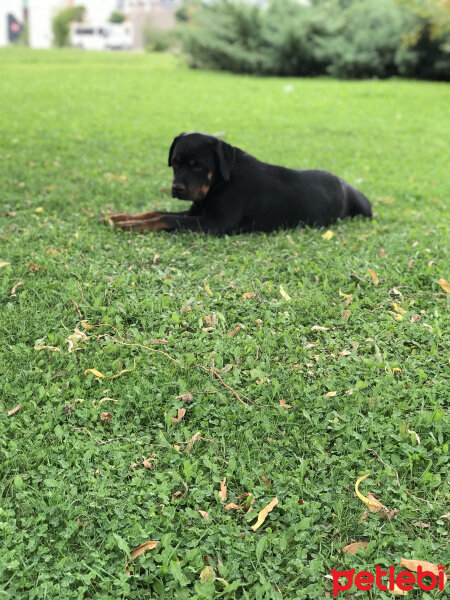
(61, 24)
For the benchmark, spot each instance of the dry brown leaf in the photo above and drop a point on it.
(51, 348)
(330, 394)
(397, 591)
(150, 545)
(266, 480)
(346, 315)
(188, 398)
(319, 328)
(147, 464)
(180, 414)
(353, 548)
(86, 325)
(422, 525)
(262, 515)
(249, 295)
(14, 410)
(375, 505)
(233, 506)
(106, 416)
(192, 441)
(382, 253)
(445, 285)
(374, 276)
(204, 514)
(285, 404)
(13, 291)
(223, 490)
(234, 331)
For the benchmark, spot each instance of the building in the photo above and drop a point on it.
(39, 14)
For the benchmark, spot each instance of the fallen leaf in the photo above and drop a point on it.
(13, 291)
(382, 253)
(204, 514)
(233, 506)
(192, 441)
(234, 332)
(51, 348)
(85, 325)
(415, 318)
(94, 372)
(346, 315)
(106, 416)
(262, 515)
(374, 276)
(3, 264)
(353, 548)
(249, 295)
(397, 591)
(413, 565)
(319, 328)
(74, 340)
(285, 404)
(373, 504)
(330, 394)
(348, 296)
(208, 289)
(207, 575)
(147, 464)
(180, 414)
(39, 209)
(445, 285)
(398, 308)
(188, 398)
(266, 480)
(284, 293)
(151, 545)
(411, 432)
(223, 490)
(14, 410)
(52, 251)
(422, 525)
(327, 235)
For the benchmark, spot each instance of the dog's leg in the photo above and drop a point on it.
(171, 221)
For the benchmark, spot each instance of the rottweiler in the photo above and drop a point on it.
(234, 192)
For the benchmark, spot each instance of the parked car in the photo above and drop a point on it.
(107, 36)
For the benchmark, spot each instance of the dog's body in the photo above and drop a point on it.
(233, 192)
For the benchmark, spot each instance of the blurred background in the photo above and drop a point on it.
(342, 38)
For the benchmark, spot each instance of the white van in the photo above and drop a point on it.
(108, 36)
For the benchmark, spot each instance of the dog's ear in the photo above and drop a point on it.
(172, 147)
(226, 155)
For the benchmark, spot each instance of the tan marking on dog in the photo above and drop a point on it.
(204, 190)
(209, 175)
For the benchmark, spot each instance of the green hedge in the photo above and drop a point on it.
(343, 38)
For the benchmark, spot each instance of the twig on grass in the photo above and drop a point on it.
(214, 372)
(146, 348)
(76, 308)
(398, 479)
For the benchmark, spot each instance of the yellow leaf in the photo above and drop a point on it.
(374, 276)
(445, 285)
(85, 325)
(204, 514)
(330, 394)
(262, 515)
(396, 369)
(371, 503)
(3, 264)
(207, 575)
(327, 235)
(345, 295)
(39, 209)
(285, 404)
(398, 592)
(208, 289)
(284, 293)
(398, 308)
(95, 372)
(14, 410)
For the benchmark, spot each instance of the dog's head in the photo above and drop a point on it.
(199, 162)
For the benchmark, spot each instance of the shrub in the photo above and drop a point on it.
(343, 38)
(61, 24)
(117, 17)
(157, 40)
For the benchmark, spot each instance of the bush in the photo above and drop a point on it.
(157, 40)
(61, 24)
(117, 17)
(344, 38)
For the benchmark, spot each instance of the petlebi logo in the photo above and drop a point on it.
(400, 583)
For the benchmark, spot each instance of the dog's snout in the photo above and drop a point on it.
(178, 189)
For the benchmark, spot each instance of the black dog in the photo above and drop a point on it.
(232, 192)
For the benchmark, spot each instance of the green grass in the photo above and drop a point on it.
(85, 133)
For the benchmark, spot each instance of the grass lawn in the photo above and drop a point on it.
(93, 467)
